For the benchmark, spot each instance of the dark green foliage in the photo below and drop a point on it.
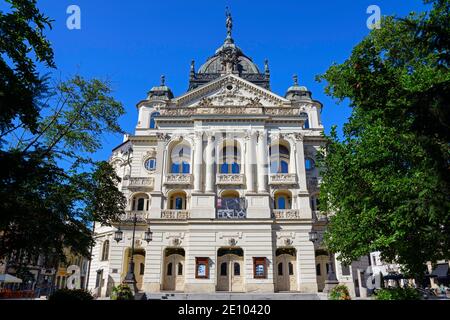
(340, 292)
(22, 43)
(122, 292)
(397, 294)
(71, 295)
(388, 180)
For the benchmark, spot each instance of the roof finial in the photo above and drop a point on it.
(229, 22)
(295, 77)
(163, 80)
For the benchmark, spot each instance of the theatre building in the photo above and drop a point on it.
(224, 176)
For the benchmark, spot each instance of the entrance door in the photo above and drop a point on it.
(230, 273)
(286, 275)
(174, 273)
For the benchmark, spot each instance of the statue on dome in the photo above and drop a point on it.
(229, 22)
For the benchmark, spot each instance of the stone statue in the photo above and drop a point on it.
(229, 22)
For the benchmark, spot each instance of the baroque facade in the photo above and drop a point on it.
(225, 177)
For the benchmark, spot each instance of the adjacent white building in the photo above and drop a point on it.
(224, 176)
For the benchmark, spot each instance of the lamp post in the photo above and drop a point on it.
(130, 278)
(331, 281)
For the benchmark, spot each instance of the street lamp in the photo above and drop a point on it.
(148, 235)
(331, 281)
(118, 235)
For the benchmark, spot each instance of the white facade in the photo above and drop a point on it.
(224, 176)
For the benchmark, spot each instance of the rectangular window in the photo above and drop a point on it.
(259, 268)
(202, 268)
(345, 270)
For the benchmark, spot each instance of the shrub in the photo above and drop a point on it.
(122, 292)
(340, 292)
(71, 295)
(397, 294)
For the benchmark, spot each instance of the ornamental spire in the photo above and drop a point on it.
(295, 78)
(163, 80)
(229, 22)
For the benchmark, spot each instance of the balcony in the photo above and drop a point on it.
(179, 179)
(319, 216)
(175, 214)
(230, 179)
(283, 179)
(141, 216)
(139, 184)
(286, 214)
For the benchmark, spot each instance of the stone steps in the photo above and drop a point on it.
(232, 296)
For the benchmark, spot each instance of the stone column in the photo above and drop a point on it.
(300, 159)
(262, 162)
(198, 161)
(250, 161)
(209, 157)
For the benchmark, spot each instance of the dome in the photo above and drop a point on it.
(160, 92)
(214, 64)
(296, 92)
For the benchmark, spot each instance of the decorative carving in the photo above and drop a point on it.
(163, 136)
(175, 214)
(128, 216)
(232, 242)
(176, 242)
(174, 178)
(288, 242)
(230, 179)
(283, 178)
(286, 214)
(139, 183)
(151, 153)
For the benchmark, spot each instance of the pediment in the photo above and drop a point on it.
(230, 90)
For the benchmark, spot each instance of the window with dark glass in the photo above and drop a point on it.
(281, 202)
(178, 203)
(180, 269)
(291, 268)
(152, 119)
(223, 269)
(279, 159)
(280, 269)
(141, 269)
(237, 269)
(105, 251)
(345, 270)
(318, 271)
(309, 164)
(169, 269)
(141, 203)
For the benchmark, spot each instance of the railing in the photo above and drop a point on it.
(286, 214)
(129, 215)
(175, 214)
(230, 179)
(319, 216)
(283, 178)
(184, 179)
(236, 110)
(139, 183)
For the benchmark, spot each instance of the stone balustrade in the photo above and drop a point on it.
(283, 178)
(175, 214)
(319, 216)
(179, 179)
(230, 179)
(286, 214)
(129, 215)
(236, 110)
(139, 183)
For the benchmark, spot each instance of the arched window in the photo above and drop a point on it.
(105, 251)
(237, 269)
(280, 269)
(169, 269)
(140, 202)
(291, 268)
(180, 269)
(318, 272)
(306, 125)
(152, 120)
(279, 159)
(223, 269)
(283, 200)
(309, 164)
(177, 201)
(180, 159)
(230, 159)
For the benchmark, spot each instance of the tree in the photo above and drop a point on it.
(21, 44)
(388, 180)
(50, 187)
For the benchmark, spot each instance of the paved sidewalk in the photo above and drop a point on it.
(234, 296)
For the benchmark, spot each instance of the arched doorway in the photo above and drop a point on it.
(139, 265)
(174, 269)
(230, 269)
(286, 273)
(322, 267)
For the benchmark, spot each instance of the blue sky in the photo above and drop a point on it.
(133, 42)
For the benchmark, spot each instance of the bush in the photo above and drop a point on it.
(340, 292)
(71, 295)
(397, 294)
(122, 292)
